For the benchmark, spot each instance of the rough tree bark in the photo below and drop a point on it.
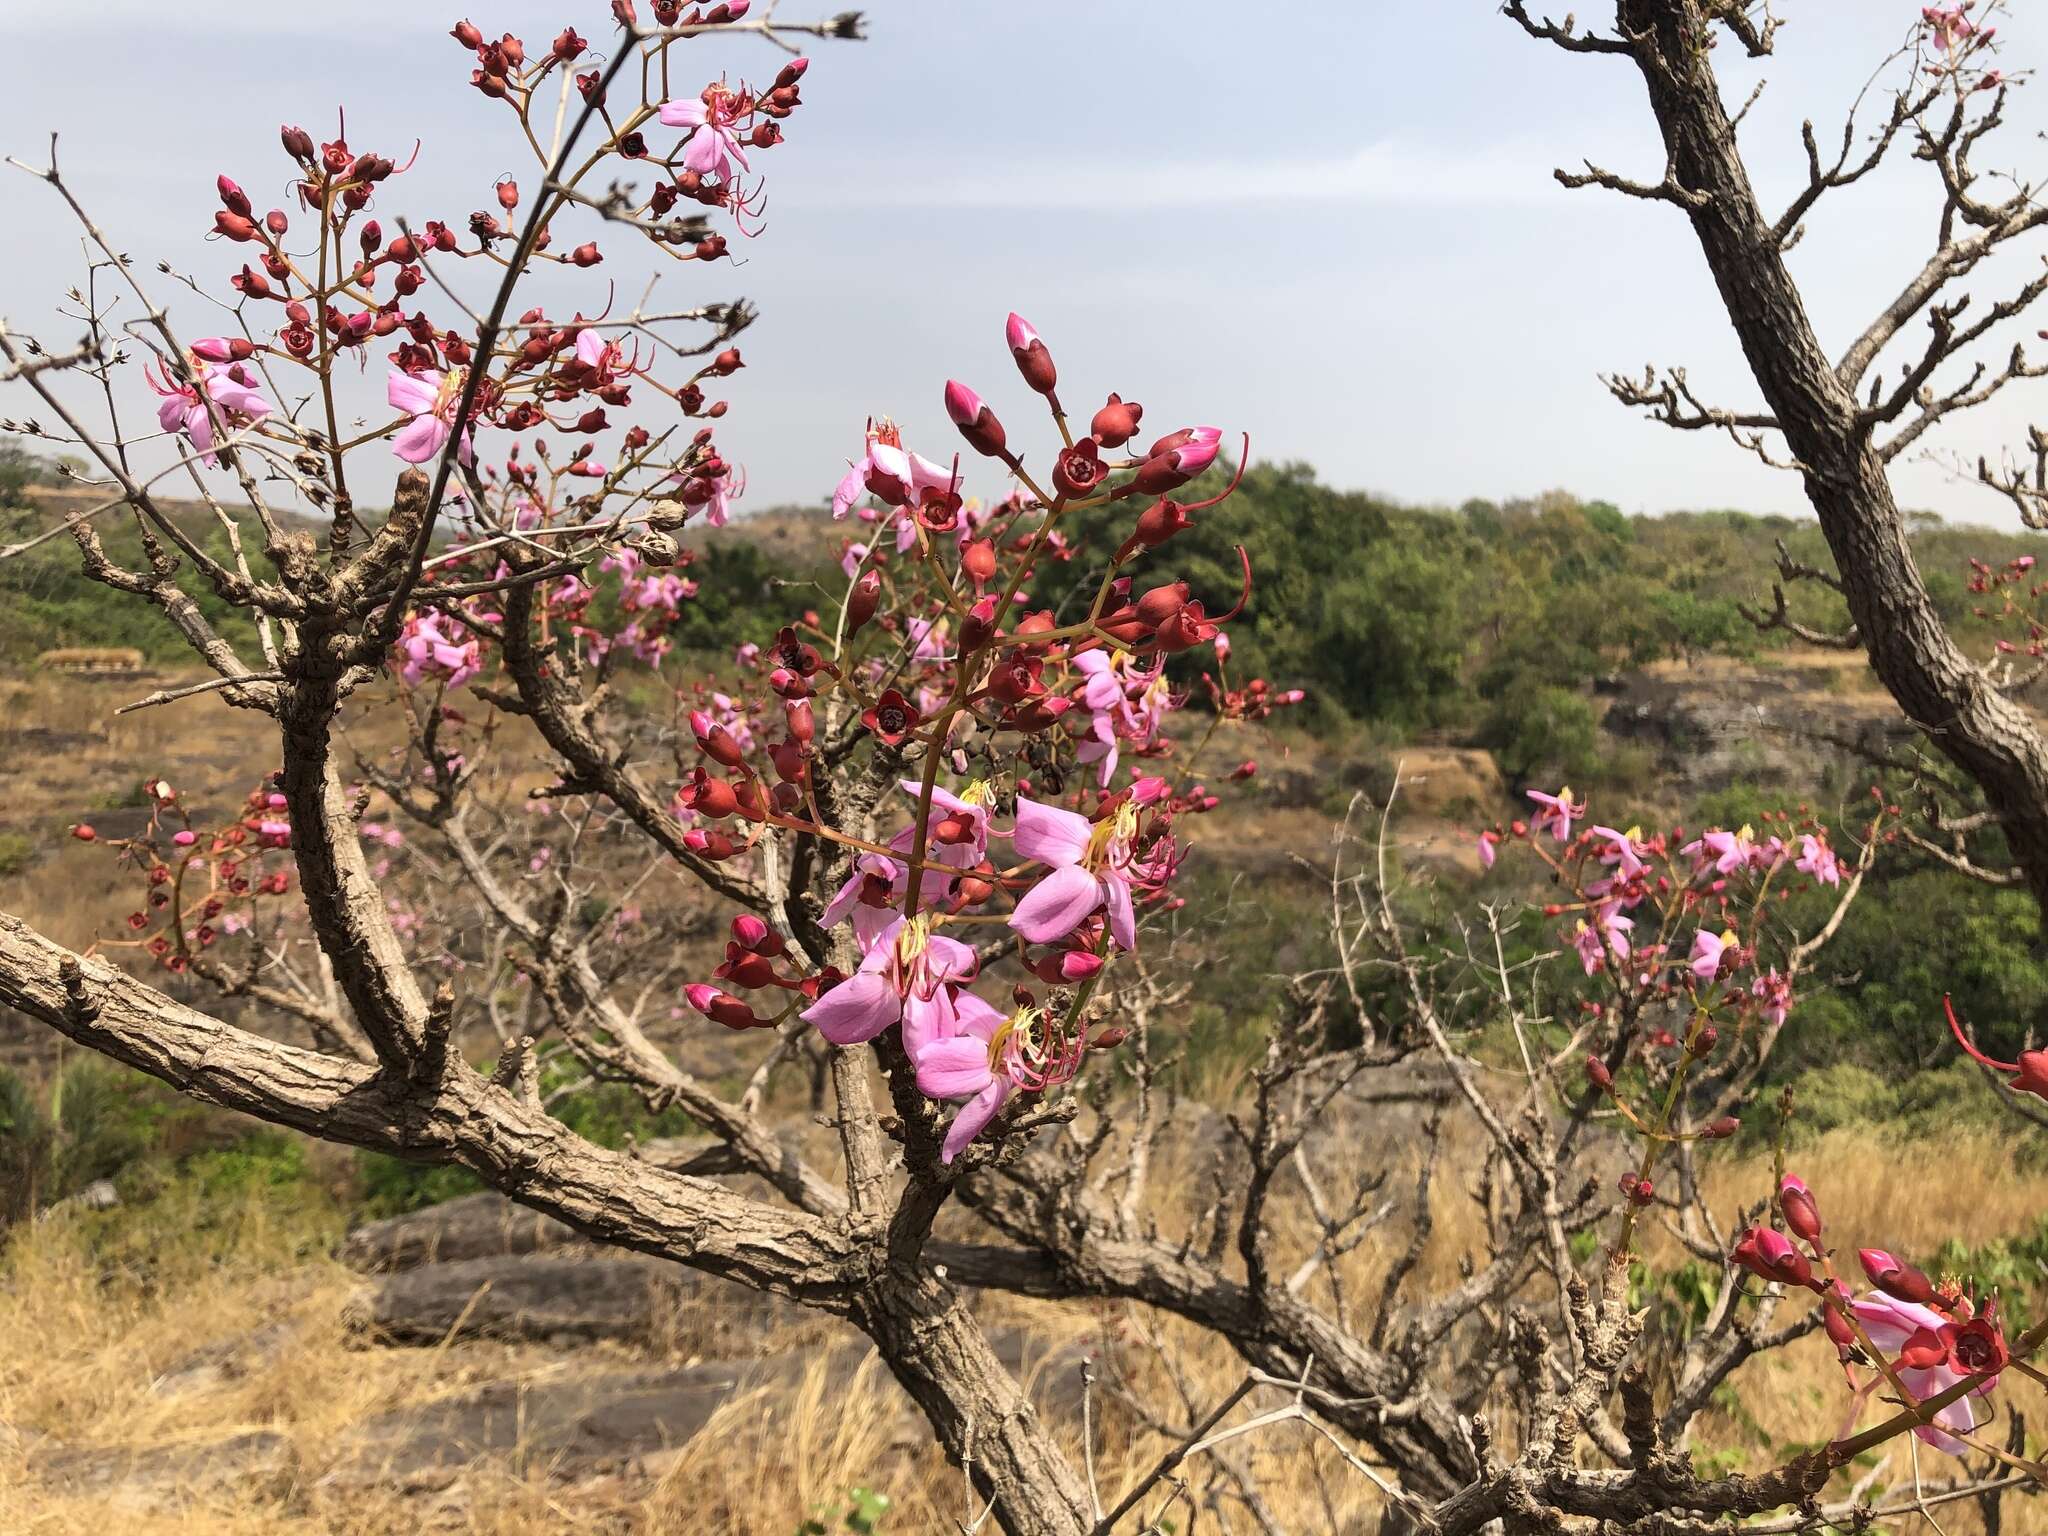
(1984, 732)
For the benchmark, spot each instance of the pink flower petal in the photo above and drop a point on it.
(974, 1116)
(1049, 834)
(420, 439)
(1057, 905)
(953, 1069)
(410, 392)
(858, 1009)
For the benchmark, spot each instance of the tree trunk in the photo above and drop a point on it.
(983, 1418)
(1982, 731)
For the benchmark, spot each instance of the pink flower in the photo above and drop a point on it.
(889, 472)
(1817, 859)
(959, 830)
(1623, 850)
(984, 1056)
(967, 1064)
(1925, 1339)
(870, 895)
(1556, 812)
(427, 649)
(715, 144)
(232, 389)
(1774, 992)
(1487, 842)
(1728, 852)
(903, 979)
(1710, 951)
(1947, 27)
(1087, 872)
(1607, 933)
(430, 399)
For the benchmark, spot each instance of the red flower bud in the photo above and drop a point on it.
(861, 601)
(1177, 465)
(802, 727)
(978, 560)
(715, 741)
(467, 34)
(1895, 1277)
(1117, 422)
(977, 423)
(1769, 1255)
(585, 255)
(1033, 361)
(1802, 1214)
(721, 1007)
(712, 845)
(1598, 1075)
(708, 796)
(754, 934)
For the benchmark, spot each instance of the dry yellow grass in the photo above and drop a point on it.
(102, 1330)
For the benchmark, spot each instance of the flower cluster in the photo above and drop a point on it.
(939, 658)
(1672, 918)
(201, 884)
(1941, 1351)
(2019, 594)
(1957, 41)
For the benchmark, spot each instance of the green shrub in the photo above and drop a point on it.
(1542, 732)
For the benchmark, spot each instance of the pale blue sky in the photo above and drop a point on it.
(1329, 224)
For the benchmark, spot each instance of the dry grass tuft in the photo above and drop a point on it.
(118, 1317)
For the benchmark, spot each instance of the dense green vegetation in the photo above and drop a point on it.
(92, 1120)
(1489, 620)
(1493, 619)
(46, 600)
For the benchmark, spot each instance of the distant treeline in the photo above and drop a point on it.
(1484, 619)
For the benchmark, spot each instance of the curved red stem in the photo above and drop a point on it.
(1964, 1041)
(1236, 480)
(1243, 596)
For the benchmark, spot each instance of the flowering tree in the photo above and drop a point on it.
(941, 819)
(1840, 422)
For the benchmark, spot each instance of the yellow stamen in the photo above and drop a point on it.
(1120, 826)
(1023, 1022)
(912, 938)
